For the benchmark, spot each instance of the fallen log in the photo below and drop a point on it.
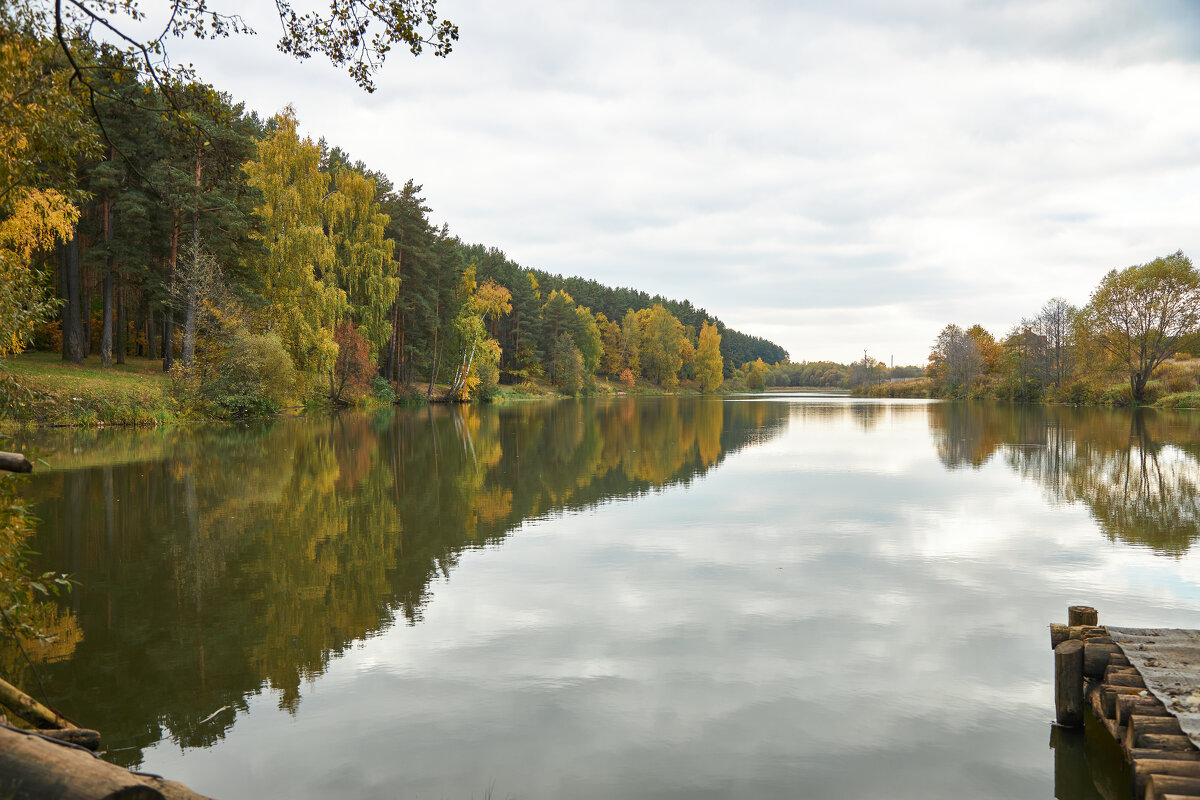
(84, 737)
(32, 767)
(30, 709)
(15, 462)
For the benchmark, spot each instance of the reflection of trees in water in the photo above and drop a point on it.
(1138, 472)
(230, 560)
(868, 415)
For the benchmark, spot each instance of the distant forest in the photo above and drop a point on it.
(169, 222)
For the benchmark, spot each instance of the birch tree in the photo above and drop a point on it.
(300, 306)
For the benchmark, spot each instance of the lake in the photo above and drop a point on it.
(749, 597)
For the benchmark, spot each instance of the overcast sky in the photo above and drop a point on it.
(834, 176)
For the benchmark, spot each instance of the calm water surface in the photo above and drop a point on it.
(661, 598)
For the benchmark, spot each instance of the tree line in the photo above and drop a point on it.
(169, 222)
(1124, 346)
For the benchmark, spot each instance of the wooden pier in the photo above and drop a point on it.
(1143, 685)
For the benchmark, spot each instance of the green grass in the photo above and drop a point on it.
(1180, 400)
(62, 393)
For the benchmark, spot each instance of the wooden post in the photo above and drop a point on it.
(1068, 683)
(1082, 615)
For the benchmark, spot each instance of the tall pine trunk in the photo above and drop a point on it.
(122, 324)
(72, 322)
(189, 319)
(106, 333)
(151, 339)
(168, 348)
(86, 309)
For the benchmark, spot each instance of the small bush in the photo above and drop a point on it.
(255, 376)
(1120, 396)
(383, 391)
(489, 380)
(1078, 393)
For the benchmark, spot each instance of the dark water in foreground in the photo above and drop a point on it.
(663, 598)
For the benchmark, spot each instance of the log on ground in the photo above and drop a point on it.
(15, 462)
(30, 709)
(32, 767)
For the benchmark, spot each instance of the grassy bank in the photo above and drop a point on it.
(55, 392)
(1176, 384)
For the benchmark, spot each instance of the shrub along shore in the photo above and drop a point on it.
(42, 390)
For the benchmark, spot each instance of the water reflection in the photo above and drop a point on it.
(1138, 472)
(215, 563)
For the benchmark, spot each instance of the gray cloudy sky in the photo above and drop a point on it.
(835, 176)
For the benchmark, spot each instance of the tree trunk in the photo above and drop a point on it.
(72, 322)
(106, 333)
(122, 324)
(86, 309)
(434, 363)
(168, 347)
(1137, 386)
(189, 320)
(151, 339)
